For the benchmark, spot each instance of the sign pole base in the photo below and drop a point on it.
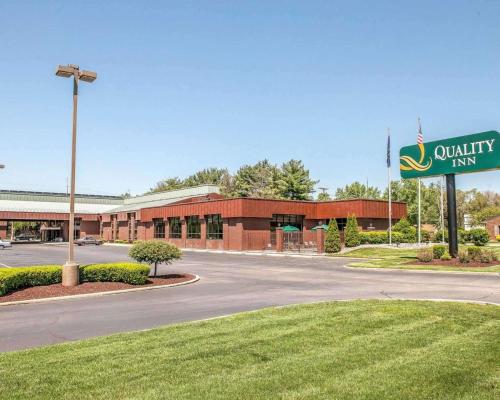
(452, 215)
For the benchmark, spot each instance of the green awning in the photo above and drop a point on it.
(290, 228)
(325, 227)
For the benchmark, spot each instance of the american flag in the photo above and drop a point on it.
(388, 148)
(420, 135)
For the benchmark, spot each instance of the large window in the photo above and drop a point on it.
(159, 228)
(214, 226)
(193, 227)
(174, 228)
(287, 219)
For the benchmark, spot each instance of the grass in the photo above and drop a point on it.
(341, 350)
(398, 259)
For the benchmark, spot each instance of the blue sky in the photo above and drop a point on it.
(191, 84)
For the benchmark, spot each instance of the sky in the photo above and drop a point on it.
(185, 85)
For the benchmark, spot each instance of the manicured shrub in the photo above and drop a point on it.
(425, 255)
(132, 273)
(351, 232)
(479, 236)
(438, 250)
(397, 237)
(154, 252)
(409, 232)
(22, 277)
(498, 238)
(425, 236)
(445, 256)
(463, 236)
(474, 253)
(463, 256)
(332, 239)
(121, 241)
(374, 237)
(487, 256)
(438, 236)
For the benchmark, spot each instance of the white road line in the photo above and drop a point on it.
(4, 265)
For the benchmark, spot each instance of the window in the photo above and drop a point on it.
(174, 228)
(159, 228)
(214, 226)
(286, 219)
(193, 227)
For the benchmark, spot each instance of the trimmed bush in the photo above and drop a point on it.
(132, 273)
(474, 253)
(332, 239)
(425, 255)
(351, 232)
(487, 256)
(463, 236)
(463, 256)
(154, 252)
(397, 237)
(409, 232)
(479, 236)
(18, 278)
(437, 237)
(446, 256)
(438, 250)
(498, 238)
(374, 237)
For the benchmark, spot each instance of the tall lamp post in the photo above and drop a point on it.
(70, 274)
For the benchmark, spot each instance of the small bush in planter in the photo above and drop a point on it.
(445, 256)
(479, 236)
(425, 255)
(474, 253)
(154, 252)
(463, 256)
(438, 250)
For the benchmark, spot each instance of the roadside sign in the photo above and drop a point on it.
(458, 155)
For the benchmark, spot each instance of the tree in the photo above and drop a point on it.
(324, 196)
(332, 239)
(167, 184)
(408, 231)
(357, 190)
(352, 237)
(294, 182)
(481, 216)
(154, 252)
(259, 180)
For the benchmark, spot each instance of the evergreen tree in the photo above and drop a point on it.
(294, 182)
(324, 196)
(357, 190)
(332, 239)
(167, 184)
(259, 180)
(352, 237)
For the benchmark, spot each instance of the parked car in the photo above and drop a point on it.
(4, 244)
(58, 240)
(23, 238)
(88, 240)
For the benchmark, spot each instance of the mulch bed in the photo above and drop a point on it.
(41, 292)
(454, 263)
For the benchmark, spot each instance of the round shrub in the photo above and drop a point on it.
(438, 236)
(479, 236)
(487, 256)
(332, 239)
(438, 250)
(154, 252)
(446, 256)
(351, 232)
(474, 253)
(408, 231)
(425, 255)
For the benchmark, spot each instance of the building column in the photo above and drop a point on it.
(320, 240)
(225, 234)
(167, 229)
(279, 239)
(183, 232)
(203, 231)
(132, 227)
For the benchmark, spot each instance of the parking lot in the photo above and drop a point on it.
(229, 283)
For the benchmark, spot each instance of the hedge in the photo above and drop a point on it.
(135, 274)
(23, 277)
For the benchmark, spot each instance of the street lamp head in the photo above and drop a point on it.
(73, 70)
(88, 76)
(2, 166)
(65, 71)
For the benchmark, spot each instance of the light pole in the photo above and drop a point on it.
(70, 273)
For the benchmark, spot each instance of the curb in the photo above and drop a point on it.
(424, 271)
(98, 294)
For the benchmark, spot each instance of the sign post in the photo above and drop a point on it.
(458, 155)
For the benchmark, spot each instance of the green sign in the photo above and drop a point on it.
(458, 155)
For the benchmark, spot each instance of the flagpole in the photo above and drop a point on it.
(419, 211)
(442, 209)
(389, 179)
(420, 141)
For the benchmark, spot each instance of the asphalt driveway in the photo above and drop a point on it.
(229, 283)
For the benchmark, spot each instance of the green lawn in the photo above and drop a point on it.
(341, 350)
(398, 258)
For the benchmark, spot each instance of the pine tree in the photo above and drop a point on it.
(294, 182)
(332, 239)
(351, 233)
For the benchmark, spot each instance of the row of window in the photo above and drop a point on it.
(193, 227)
